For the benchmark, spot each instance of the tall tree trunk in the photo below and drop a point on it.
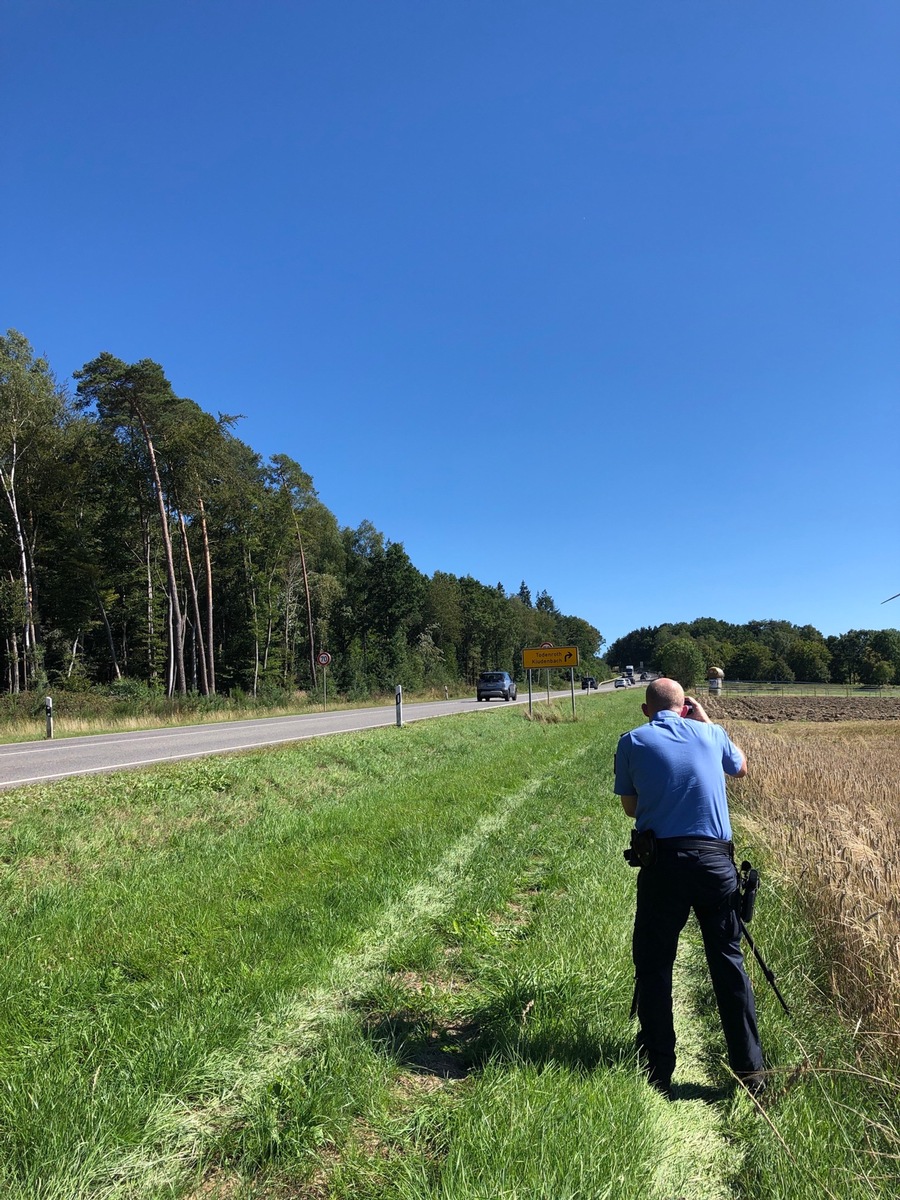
(248, 567)
(8, 482)
(195, 605)
(14, 666)
(37, 639)
(207, 564)
(288, 656)
(193, 632)
(170, 663)
(309, 617)
(176, 622)
(74, 655)
(151, 624)
(109, 635)
(268, 624)
(268, 647)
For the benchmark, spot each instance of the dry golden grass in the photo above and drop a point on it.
(825, 798)
(33, 727)
(21, 730)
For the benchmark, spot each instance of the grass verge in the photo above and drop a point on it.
(389, 965)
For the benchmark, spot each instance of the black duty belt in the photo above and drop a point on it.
(696, 843)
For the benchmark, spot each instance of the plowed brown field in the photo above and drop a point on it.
(769, 709)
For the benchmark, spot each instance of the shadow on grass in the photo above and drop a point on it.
(506, 1028)
(444, 1050)
(702, 1091)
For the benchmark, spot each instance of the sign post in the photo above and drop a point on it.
(551, 656)
(548, 656)
(323, 658)
(398, 700)
(48, 707)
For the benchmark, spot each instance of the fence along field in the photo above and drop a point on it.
(389, 965)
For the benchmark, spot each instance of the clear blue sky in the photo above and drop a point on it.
(598, 295)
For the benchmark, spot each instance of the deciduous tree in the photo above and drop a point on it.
(32, 410)
(132, 401)
(681, 659)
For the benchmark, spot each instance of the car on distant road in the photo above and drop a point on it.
(496, 683)
(622, 682)
(588, 682)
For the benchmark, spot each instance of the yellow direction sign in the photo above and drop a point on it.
(550, 656)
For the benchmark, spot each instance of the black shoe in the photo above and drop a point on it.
(753, 1081)
(658, 1081)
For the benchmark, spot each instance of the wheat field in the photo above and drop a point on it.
(824, 798)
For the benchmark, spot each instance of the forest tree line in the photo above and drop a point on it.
(143, 544)
(762, 650)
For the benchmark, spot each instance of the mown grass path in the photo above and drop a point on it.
(389, 965)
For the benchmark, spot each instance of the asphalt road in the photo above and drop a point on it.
(40, 762)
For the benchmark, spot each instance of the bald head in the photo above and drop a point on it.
(664, 693)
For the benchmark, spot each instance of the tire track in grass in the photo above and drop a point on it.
(178, 1134)
(696, 1161)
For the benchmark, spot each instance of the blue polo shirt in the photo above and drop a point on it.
(677, 769)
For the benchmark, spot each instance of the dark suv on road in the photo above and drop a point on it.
(496, 683)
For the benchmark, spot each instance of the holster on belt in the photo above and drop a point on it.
(642, 851)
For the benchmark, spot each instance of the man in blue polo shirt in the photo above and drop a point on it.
(670, 777)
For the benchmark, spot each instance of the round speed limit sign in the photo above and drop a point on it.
(323, 659)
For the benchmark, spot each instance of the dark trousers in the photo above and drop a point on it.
(707, 882)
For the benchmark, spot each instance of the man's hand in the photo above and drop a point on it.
(696, 711)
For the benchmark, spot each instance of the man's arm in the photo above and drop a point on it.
(698, 713)
(623, 780)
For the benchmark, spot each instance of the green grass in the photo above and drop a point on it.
(395, 964)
